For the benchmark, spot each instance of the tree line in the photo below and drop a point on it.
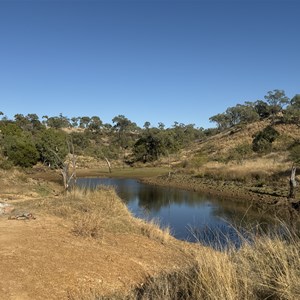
(276, 106)
(27, 140)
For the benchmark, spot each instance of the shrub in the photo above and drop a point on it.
(295, 153)
(240, 152)
(6, 165)
(262, 142)
(21, 152)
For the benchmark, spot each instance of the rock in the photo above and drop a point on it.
(6, 208)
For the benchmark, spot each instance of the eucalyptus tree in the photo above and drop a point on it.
(276, 100)
(125, 131)
(34, 121)
(222, 121)
(51, 144)
(149, 146)
(262, 109)
(74, 121)
(84, 122)
(95, 124)
(58, 122)
(292, 112)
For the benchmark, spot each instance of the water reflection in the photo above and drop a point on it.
(191, 216)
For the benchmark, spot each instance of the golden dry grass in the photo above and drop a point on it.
(259, 168)
(268, 268)
(93, 213)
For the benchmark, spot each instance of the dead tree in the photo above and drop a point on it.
(293, 183)
(108, 164)
(68, 167)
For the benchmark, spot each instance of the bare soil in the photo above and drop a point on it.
(41, 259)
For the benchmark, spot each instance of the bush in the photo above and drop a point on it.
(262, 142)
(6, 165)
(240, 152)
(20, 152)
(295, 153)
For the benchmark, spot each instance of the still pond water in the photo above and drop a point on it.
(190, 215)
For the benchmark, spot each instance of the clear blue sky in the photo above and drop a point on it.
(156, 61)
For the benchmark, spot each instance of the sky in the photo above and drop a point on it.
(150, 60)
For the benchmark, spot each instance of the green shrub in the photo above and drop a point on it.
(262, 142)
(20, 151)
(240, 152)
(6, 165)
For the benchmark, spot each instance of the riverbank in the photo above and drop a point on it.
(263, 197)
(261, 193)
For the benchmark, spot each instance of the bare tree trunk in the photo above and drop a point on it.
(293, 183)
(108, 164)
(65, 167)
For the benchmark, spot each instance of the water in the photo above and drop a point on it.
(191, 215)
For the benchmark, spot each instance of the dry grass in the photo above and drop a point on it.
(154, 231)
(268, 268)
(254, 169)
(93, 213)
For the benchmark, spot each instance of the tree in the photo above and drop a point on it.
(148, 147)
(95, 124)
(276, 100)
(67, 166)
(18, 146)
(161, 126)
(222, 121)
(58, 122)
(262, 109)
(147, 125)
(123, 127)
(34, 122)
(247, 113)
(292, 112)
(45, 119)
(80, 141)
(75, 121)
(84, 122)
(293, 183)
(51, 143)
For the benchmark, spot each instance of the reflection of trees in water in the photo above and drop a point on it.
(244, 216)
(155, 198)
